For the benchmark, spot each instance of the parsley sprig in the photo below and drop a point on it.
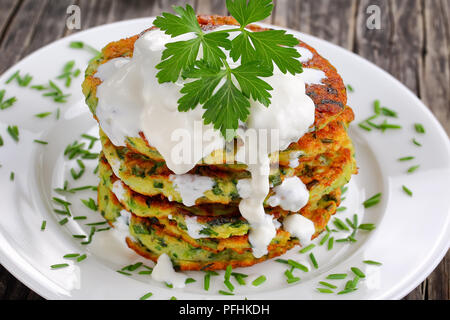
(214, 80)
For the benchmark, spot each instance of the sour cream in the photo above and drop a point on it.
(130, 100)
(299, 227)
(291, 195)
(163, 271)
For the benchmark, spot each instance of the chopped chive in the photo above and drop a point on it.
(419, 128)
(124, 273)
(350, 223)
(346, 291)
(71, 255)
(69, 66)
(340, 209)
(385, 126)
(8, 103)
(146, 296)
(228, 273)
(313, 260)
(337, 276)
(226, 293)
(61, 212)
(377, 107)
(43, 225)
(15, 75)
(290, 277)
(350, 88)
(41, 142)
(344, 190)
(298, 265)
(43, 114)
(389, 113)
(260, 280)
(407, 191)
(323, 290)
(13, 132)
(416, 142)
(63, 221)
(358, 272)
(340, 224)
(363, 126)
(91, 233)
(330, 243)
(100, 223)
(90, 204)
(190, 280)
(367, 226)
(169, 285)
(173, 298)
(61, 201)
(1, 141)
(373, 263)
(135, 266)
(59, 266)
(79, 236)
(324, 239)
(145, 272)
(282, 261)
(11, 176)
(58, 112)
(372, 201)
(207, 281)
(326, 284)
(413, 169)
(89, 137)
(229, 285)
(406, 159)
(239, 278)
(308, 248)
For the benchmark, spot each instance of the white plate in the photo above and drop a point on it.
(411, 237)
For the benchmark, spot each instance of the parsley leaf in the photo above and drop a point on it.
(268, 46)
(226, 107)
(252, 86)
(178, 25)
(225, 91)
(248, 12)
(177, 57)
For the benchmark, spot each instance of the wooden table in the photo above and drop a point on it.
(413, 44)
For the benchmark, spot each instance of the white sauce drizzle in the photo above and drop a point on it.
(312, 76)
(163, 271)
(291, 195)
(293, 159)
(194, 228)
(305, 54)
(191, 187)
(119, 190)
(299, 227)
(131, 100)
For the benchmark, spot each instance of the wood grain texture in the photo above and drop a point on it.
(413, 45)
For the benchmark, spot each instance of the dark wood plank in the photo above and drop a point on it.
(51, 25)
(435, 78)
(19, 32)
(8, 9)
(401, 32)
(329, 20)
(435, 92)
(211, 7)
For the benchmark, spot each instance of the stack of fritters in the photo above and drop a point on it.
(135, 179)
